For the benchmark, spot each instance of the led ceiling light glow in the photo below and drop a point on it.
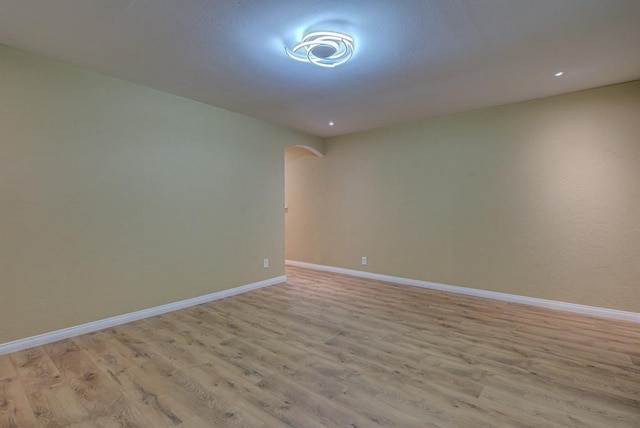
(559, 73)
(323, 48)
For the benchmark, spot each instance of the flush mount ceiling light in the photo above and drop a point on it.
(323, 48)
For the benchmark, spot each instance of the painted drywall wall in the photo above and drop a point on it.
(115, 197)
(540, 199)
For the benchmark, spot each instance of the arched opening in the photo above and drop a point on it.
(311, 149)
(298, 196)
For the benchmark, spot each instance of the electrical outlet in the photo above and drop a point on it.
(364, 261)
(265, 264)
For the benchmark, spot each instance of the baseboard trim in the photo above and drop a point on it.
(514, 298)
(65, 333)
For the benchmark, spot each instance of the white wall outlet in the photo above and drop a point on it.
(364, 261)
(265, 263)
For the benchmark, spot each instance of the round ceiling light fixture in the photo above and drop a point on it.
(323, 48)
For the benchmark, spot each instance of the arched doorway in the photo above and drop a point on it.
(298, 196)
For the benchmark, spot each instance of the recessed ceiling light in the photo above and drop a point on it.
(323, 48)
(331, 123)
(559, 73)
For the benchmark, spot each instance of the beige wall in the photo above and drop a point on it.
(115, 197)
(540, 199)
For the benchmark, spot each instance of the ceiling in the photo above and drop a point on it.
(413, 59)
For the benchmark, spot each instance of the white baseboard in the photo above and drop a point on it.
(533, 301)
(54, 336)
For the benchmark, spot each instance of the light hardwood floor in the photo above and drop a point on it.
(330, 350)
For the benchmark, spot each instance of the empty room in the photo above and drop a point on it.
(240, 213)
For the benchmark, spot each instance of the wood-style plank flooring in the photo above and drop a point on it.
(337, 351)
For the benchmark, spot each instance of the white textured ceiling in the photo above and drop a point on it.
(414, 58)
